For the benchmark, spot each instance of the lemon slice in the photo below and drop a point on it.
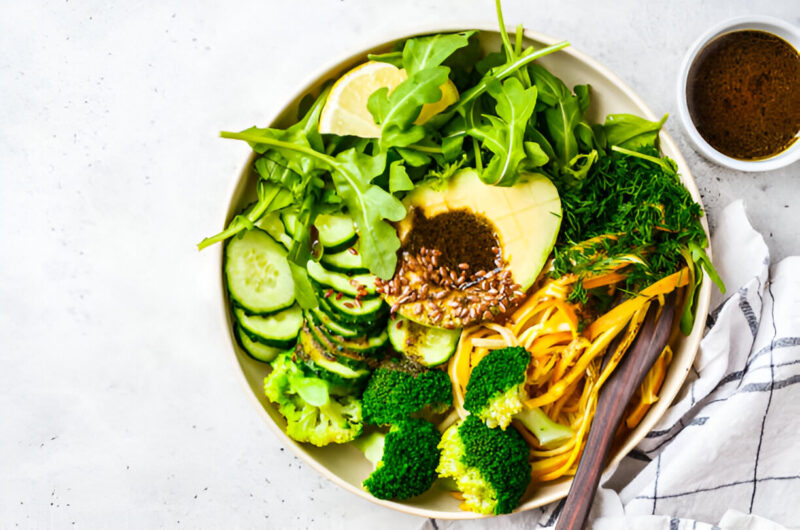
(345, 112)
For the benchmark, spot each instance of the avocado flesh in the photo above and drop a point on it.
(526, 218)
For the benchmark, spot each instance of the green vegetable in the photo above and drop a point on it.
(352, 173)
(396, 112)
(504, 134)
(278, 181)
(637, 199)
(405, 459)
(489, 466)
(495, 392)
(399, 390)
(632, 132)
(312, 414)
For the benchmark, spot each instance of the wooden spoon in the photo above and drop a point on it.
(611, 405)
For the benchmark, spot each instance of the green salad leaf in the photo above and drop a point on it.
(427, 52)
(632, 132)
(503, 134)
(395, 112)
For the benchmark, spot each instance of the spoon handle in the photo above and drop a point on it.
(611, 405)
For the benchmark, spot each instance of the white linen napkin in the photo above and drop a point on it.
(727, 452)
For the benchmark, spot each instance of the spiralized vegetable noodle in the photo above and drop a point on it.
(567, 346)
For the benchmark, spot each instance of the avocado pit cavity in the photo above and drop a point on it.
(451, 272)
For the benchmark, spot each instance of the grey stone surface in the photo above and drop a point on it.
(119, 404)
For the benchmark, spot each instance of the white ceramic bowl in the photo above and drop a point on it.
(344, 464)
(784, 30)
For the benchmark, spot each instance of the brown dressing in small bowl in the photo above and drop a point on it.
(743, 94)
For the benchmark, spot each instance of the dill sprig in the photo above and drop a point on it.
(632, 207)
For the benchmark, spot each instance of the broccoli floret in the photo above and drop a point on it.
(399, 390)
(405, 459)
(495, 391)
(490, 466)
(312, 414)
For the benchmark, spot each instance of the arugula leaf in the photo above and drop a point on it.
(426, 52)
(632, 132)
(414, 158)
(583, 92)
(537, 156)
(580, 165)
(453, 135)
(541, 141)
(501, 72)
(305, 132)
(565, 121)
(503, 135)
(462, 63)
(490, 62)
(512, 52)
(394, 58)
(369, 205)
(561, 121)
(666, 164)
(422, 59)
(300, 250)
(551, 89)
(398, 178)
(352, 174)
(396, 112)
(280, 180)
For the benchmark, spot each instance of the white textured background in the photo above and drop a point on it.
(118, 404)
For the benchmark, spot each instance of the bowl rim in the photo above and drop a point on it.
(656, 411)
(786, 31)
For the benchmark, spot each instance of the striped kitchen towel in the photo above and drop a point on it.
(727, 452)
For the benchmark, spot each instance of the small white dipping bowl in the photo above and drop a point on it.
(784, 30)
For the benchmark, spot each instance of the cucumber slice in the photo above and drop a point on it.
(322, 319)
(278, 329)
(257, 273)
(348, 377)
(335, 352)
(256, 350)
(337, 232)
(341, 282)
(345, 261)
(365, 346)
(289, 220)
(348, 310)
(426, 345)
(271, 223)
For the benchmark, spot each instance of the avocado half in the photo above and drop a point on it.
(506, 233)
